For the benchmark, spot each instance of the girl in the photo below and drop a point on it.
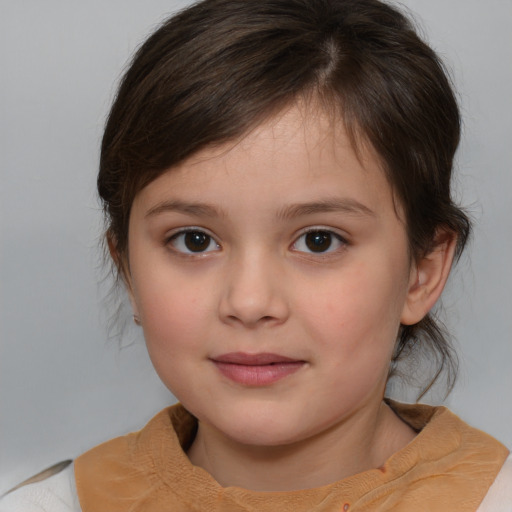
(276, 183)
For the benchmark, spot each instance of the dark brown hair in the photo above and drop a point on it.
(220, 67)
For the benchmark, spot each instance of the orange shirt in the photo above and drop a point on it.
(448, 467)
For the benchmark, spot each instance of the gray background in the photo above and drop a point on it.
(64, 386)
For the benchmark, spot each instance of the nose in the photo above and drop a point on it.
(253, 292)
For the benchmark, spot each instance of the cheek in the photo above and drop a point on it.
(174, 316)
(174, 336)
(358, 315)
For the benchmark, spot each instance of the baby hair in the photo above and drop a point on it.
(221, 67)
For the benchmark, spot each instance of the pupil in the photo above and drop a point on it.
(196, 241)
(318, 241)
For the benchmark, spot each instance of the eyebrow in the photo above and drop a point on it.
(343, 205)
(196, 209)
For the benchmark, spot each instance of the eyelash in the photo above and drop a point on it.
(181, 235)
(325, 232)
(326, 235)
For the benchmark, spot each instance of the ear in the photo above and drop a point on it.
(123, 269)
(428, 278)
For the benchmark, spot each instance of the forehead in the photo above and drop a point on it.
(303, 127)
(298, 155)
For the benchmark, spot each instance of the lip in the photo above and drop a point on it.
(255, 370)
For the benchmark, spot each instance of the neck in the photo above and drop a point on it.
(362, 442)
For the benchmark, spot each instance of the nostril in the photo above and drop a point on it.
(264, 320)
(251, 305)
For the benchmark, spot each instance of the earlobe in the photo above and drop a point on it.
(123, 271)
(428, 278)
(112, 249)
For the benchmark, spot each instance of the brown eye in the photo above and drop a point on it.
(193, 241)
(319, 241)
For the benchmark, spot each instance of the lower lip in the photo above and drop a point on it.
(258, 375)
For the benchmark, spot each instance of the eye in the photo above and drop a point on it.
(319, 241)
(193, 241)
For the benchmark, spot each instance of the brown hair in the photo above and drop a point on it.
(220, 67)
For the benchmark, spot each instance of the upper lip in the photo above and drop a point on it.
(260, 359)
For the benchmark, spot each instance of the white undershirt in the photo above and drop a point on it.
(54, 494)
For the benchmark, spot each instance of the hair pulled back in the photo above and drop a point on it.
(221, 67)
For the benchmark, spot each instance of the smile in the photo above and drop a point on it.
(256, 369)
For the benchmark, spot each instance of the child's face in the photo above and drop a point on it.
(266, 333)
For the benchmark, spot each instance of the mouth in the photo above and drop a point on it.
(256, 369)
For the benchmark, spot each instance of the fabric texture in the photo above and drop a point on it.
(499, 497)
(54, 494)
(448, 466)
(58, 494)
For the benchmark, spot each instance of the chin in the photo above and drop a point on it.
(260, 428)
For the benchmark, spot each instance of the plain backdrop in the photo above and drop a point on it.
(64, 385)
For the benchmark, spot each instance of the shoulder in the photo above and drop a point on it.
(52, 490)
(499, 496)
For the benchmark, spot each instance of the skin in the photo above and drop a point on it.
(258, 288)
